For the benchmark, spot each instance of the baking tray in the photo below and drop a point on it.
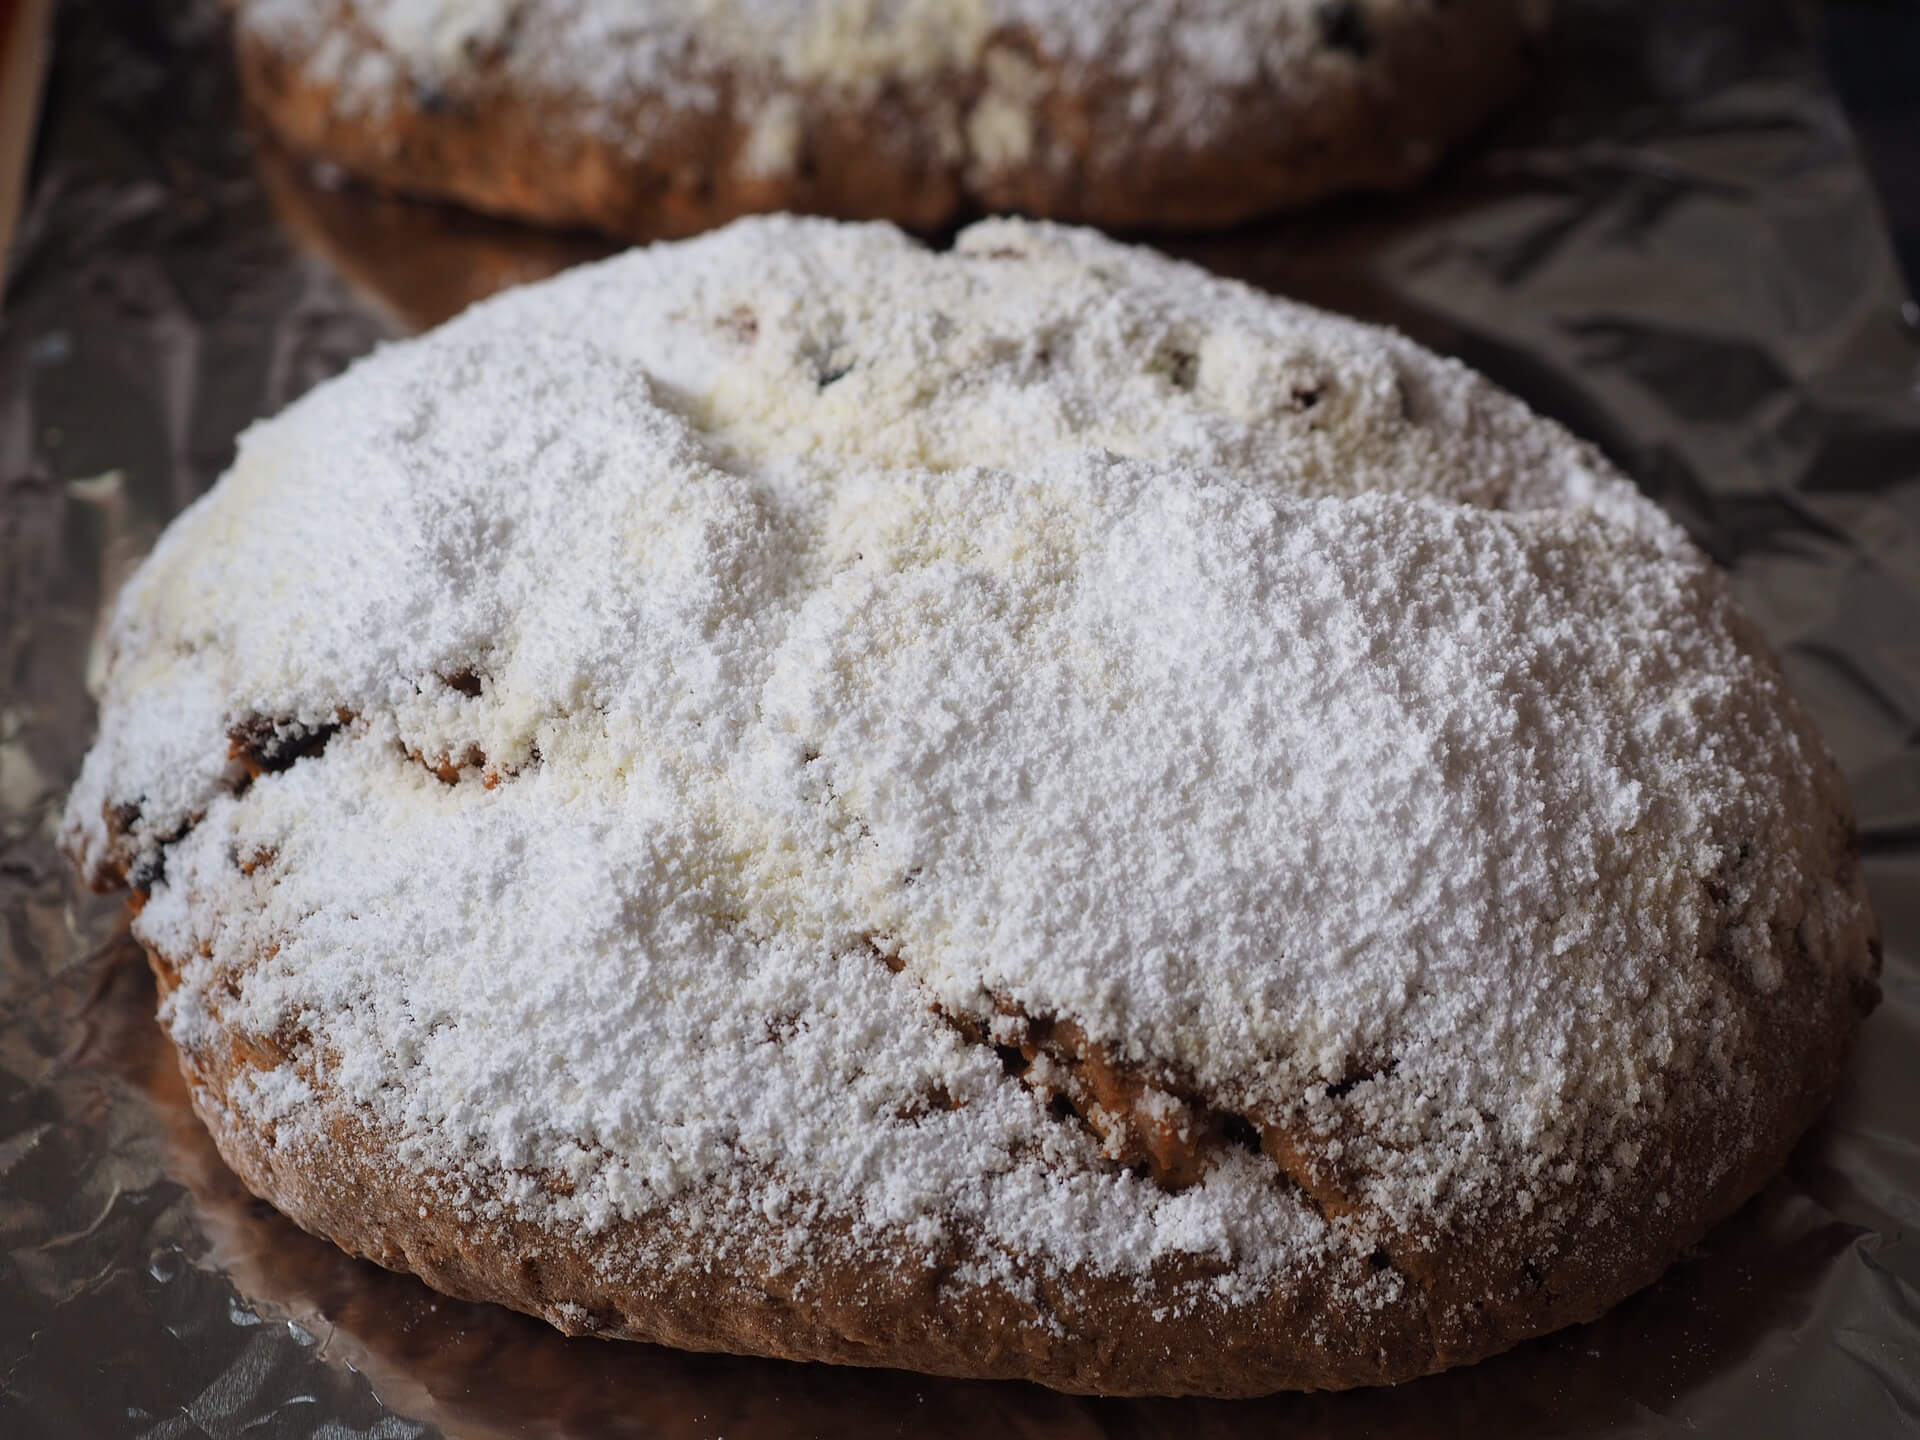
(1670, 245)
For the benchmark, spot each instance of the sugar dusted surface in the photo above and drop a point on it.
(605, 46)
(1283, 705)
(1179, 60)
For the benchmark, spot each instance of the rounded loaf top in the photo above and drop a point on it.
(1031, 753)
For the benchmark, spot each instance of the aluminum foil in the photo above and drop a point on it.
(1671, 247)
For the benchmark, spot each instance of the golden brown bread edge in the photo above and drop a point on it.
(1469, 1293)
(1423, 86)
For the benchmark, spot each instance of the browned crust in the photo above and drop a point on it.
(422, 264)
(1467, 1295)
(1382, 122)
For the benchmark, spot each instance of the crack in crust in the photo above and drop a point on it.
(258, 745)
(1167, 1130)
(268, 744)
(1147, 1121)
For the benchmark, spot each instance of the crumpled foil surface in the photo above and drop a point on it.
(1671, 246)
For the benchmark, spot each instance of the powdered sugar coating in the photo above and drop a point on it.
(1280, 703)
(1181, 62)
(614, 48)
